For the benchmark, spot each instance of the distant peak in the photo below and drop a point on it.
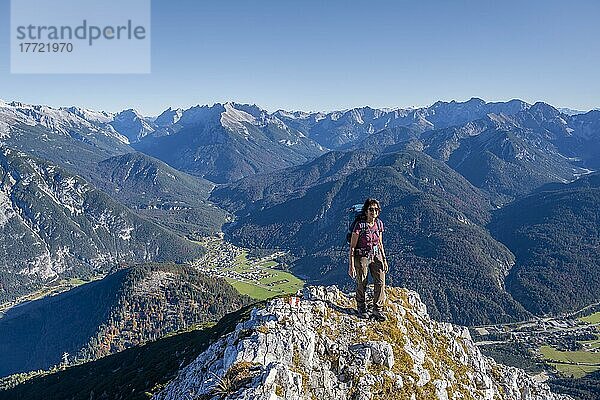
(90, 115)
(517, 101)
(517, 104)
(476, 100)
(169, 116)
(544, 108)
(570, 111)
(130, 111)
(251, 109)
(233, 118)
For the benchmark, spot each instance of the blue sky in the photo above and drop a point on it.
(316, 55)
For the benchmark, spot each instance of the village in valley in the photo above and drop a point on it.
(567, 346)
(258, 277)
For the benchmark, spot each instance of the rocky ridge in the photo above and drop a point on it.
(314, 347)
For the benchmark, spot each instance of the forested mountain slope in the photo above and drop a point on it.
(127, 308)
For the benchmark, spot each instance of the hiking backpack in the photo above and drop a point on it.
(355, 216)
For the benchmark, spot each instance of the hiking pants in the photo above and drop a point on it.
(362, 268)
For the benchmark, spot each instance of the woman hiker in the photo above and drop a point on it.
(367, 254)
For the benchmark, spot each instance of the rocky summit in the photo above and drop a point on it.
(314, 347)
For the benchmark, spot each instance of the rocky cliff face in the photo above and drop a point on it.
(314, 347)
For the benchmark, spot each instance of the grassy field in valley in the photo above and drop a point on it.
(592, 319)
(263, 280)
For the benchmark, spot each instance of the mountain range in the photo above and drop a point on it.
(490, 212)
(287, 177)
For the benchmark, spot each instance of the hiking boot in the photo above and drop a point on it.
(362, 313)
(378, 316)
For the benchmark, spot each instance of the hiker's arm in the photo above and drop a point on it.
(386, 267)
(353, 242)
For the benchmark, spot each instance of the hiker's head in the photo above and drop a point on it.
(371, 207)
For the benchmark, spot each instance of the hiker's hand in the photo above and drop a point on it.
(352, 271)
(386, 267)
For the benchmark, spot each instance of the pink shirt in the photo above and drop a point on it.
(370, 238)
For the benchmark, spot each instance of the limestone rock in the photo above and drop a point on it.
(316, 348)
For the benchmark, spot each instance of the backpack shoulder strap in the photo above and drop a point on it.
(379, 227)
(352, 225)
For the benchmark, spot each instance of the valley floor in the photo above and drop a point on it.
(51, 289)
(259, 278)
(559, 346)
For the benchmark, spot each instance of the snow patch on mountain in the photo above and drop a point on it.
(334, 116)
(234, 119)
(132, 125)
(356, 116)
(125, 233)
(169, 117)
(4, 130)
(63, 121)
(201, 114)
(288, 143)
(6, 210)
(582, 172)
(102, 117)
(55, 119)
(292, 114)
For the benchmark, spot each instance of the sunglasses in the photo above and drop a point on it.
(373, 209)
